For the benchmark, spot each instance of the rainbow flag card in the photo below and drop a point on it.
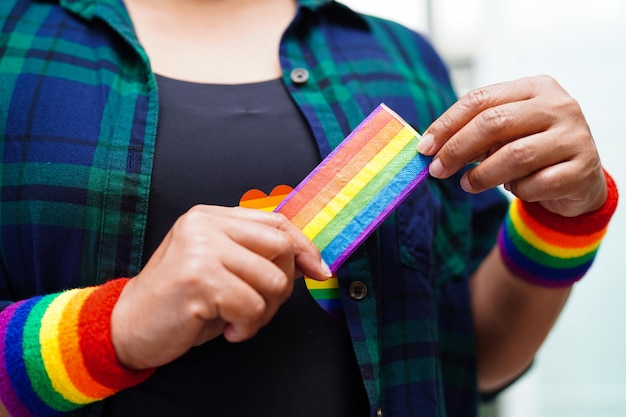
(325, 293)
(340, 203)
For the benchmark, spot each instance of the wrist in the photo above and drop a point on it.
(548, 249)
(121, 333)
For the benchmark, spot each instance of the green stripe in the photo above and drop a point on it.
(325, 294)
(33, 360)
(457, 342)
(50, 214)
(363, 198)
(420, 85)
(541, 257)
(366, 348)
(410, 370)
(59, 175)
(462, 377)
(409, 331)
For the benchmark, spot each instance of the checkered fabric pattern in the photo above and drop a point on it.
(75, 179)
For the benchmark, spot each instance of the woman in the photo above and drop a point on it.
(128, 130)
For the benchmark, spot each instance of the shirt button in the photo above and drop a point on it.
(357, 290)
(299, 76)
(379, 412)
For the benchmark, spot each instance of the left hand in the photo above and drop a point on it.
(529, 135)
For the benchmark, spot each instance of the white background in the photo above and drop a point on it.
(581, 369)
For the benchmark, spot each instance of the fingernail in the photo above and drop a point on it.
(507, 186)
(425, 144)
(326, 269)
(465, 184)
(436, 168)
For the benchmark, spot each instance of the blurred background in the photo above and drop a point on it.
(581, 369)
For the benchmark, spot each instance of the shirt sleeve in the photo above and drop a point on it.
(488, 211)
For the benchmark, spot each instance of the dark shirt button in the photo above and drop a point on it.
(299, 76)
(357, 290)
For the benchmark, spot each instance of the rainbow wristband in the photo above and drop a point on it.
(550, 250)
(56, 353)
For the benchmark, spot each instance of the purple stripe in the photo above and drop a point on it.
(8, 396)
(527, 270)
(534, 266)
(376, 221)
(16, 349)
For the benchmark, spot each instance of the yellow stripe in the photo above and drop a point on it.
(357, 183)
(557, 251)
(51, 350)
(313, 284)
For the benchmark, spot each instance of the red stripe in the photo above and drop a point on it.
(585, 224)
(558, 238)
(350, 160)
(70, 349)
(94, 329)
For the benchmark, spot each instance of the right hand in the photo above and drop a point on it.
(218, 270)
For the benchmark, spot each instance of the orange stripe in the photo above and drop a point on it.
(349, 164)
(252, 195)
(343, 157)
(263, 203)
(257, 199)
(556, 238)
(72, 355)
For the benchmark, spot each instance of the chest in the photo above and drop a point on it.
(213, 42)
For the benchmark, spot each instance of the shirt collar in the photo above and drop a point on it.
(88, 8)
(114, 12)
(85, 8)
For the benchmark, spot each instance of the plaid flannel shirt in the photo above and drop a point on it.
(78, 117)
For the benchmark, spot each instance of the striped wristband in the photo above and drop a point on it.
(56, 352)
(547, 249)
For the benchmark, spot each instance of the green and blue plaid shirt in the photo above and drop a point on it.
(78, 117)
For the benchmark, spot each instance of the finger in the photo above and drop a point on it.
(254, 229)
(551, 183)
(307, 255)
(268, 279)
(468, 107)
(517, 159)
(567, 188)
(273, 281)
(265, 239)
(209, 331)
(247, 226)
(238, 304)
(308, 258)
(487, 133)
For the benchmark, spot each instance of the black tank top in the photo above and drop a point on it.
(214, 143)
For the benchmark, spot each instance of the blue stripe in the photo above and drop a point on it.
(373, 209)
(16, 368)
(539, 270)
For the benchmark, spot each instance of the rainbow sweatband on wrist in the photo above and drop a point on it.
(550, 250)
(56, 352)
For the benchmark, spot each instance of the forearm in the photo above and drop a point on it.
(521, 287)
(512, 319)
